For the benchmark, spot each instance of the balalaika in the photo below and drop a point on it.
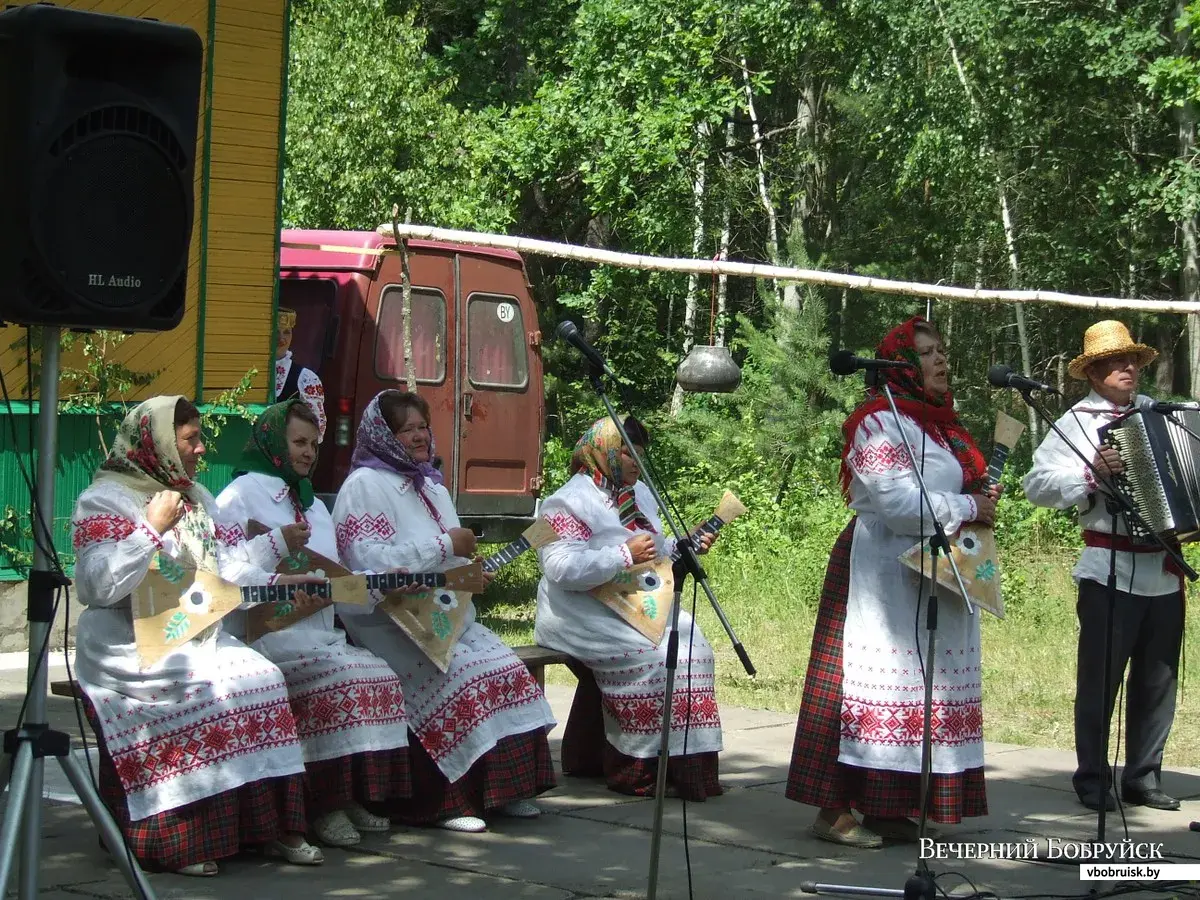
(1160, 474)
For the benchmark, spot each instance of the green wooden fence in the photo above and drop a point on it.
(79, 455)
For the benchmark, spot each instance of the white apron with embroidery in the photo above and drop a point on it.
(346, 700)
(487, 694)
(211, 716)
(883, 687)
(630, 671)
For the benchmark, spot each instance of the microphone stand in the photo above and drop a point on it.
(1115, 504)
(687, 564)
(921, 885)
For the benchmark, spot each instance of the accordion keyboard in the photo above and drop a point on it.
(1139, 482)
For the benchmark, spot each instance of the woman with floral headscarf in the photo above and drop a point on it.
(348, 705)
(859, 735)
(199, 754)
(608, 523)
(480, 728)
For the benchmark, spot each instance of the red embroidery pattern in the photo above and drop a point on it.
(231, 535)
(569, 527)
(97, 529)
(215, 739)
(875, 459)
(358, 703)
(479, 699)
(642, 713)
(358, 528)
(902, 724)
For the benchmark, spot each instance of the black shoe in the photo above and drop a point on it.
(1155, 799)
(1092, 801)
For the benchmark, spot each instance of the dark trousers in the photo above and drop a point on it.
(1147, 635)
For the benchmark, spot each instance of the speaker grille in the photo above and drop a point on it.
(112, 218)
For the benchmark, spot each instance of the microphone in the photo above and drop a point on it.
(844, 362)
(1005, 377)
(1166, 406)
(569, 332)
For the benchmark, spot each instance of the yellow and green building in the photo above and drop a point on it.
(229, 324)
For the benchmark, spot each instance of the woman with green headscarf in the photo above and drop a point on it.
(348, 704)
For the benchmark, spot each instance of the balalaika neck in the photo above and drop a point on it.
(274, 593)
(712, 526)
(507, 555)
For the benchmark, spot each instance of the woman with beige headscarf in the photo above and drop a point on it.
(608, 523)
(199, 754)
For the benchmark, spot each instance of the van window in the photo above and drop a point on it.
(428, 335)
(496, 348)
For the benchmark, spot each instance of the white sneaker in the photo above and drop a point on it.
(520, 809)
(470, 824)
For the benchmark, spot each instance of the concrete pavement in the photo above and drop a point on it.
(751, 842)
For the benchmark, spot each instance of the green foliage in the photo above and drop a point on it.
(226, 405)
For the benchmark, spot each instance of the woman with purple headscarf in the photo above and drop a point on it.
(478, 743)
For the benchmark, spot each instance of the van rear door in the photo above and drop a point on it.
(500, 399)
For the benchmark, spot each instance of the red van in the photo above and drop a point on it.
(476, 352)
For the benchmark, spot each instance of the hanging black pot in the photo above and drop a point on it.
(708, 369)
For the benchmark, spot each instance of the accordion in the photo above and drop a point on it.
(1160, 480)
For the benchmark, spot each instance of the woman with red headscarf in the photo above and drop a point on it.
(859, 734)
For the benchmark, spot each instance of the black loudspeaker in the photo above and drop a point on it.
(98, 122)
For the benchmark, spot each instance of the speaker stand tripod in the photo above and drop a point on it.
(27, 746)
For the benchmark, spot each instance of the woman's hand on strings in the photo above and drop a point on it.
(985, 509)
(463, 541)
(641, 548)
(296, 535)
(702, 541)
(164, 510)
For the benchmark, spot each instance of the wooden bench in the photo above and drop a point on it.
(66, 689)
(537, 658)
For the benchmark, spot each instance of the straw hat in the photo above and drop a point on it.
(1105, 340)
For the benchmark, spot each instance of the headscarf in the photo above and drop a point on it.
(936, 415)
(377, 447)
(267, 452)
(598, 453)
(145, 460)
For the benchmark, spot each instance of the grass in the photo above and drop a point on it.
(770, 602)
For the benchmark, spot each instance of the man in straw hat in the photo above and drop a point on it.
(1148, 617)
(296, 381)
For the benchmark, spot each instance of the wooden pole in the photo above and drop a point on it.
(531, 246)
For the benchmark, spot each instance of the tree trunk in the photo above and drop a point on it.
(764, 193)
(1010, 239)
(723, 253)
(1189, 274)
(693, 287)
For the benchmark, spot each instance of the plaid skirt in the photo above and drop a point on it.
(815, 776)
(519, 767)
(586, 753)
(363, 778)
(208, 830)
